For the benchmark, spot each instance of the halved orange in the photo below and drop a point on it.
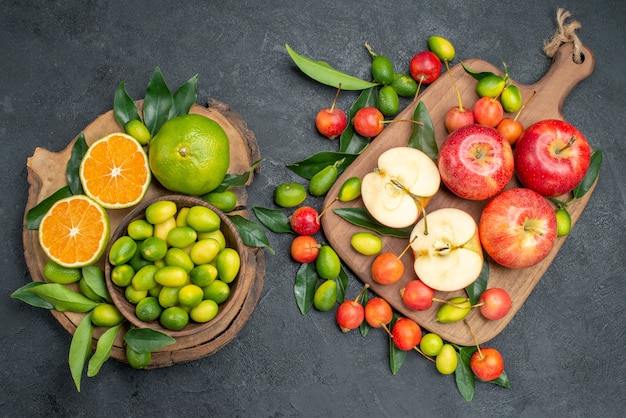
(75, 231)
(115, 172)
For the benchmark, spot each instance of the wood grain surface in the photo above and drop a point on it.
(46, 174)
(551, 92)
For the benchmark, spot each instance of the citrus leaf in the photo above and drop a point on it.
(124, 107)
(478, 287)
(502, 380)
(146, 340)
(423, 135)
(342, 284)
(80, 347)
(478, 75)
(273, 219)
(31, 298)
(349, 141)
(396, 356)
(364, 328)
(361, 217)
(304, 286)
(322, 72)
(236, 180)
(37, 212)
(94, 278)
(308, 167)
(73, 165)
(157, 103)
(463, 375)
(103, 350)
(252, 234)
(62, 298)
(590, 176)
(184, 97)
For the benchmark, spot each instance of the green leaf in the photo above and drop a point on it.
(62, 298)
(590, 177)
(184, 97)
(80, 347)
(236, 180)
(423, 136)
(273, 219)
(94, 278)
(158, 102)
(73, 165)
(36, 213)
(124, 107)
(146, 340)
(304, 286)
(478, 75)
(463, 375)
(31, 298)
(350, 142)
(502, 380)
(322, 72)
(364, 328)
(342, 284)
(359, 216)
(478, 287)
(252, 234)
(308, 167)
(103, 350)
(396, 356)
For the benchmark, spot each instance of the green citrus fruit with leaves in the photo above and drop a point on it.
(190, 154)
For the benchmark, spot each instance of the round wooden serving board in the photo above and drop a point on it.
(46, 174)
(551, 92)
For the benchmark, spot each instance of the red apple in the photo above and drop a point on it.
(368, 121)
(517, 228)
(488, 111)
(350, 315)
(406, 334)
(487, 364)
(425, 67)
(494, 303)
(331, 122)
(552, 157)
(378, 312)
(305, 221)
(417, 296)
(387, 268)
(475, 162)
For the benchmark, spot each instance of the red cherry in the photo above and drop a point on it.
(496, 303)
(350, 315)
(305, 221)
(417, 295)
(331, 122)
(487, 364)
(425, 67)
(378, 312)
(406, 334)
(458, 117)
(304, 249)
(488, 111)
(368, 121)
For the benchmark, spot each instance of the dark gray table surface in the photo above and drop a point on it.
(60, 63)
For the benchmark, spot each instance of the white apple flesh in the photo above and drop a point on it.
(400, 187)
(518, 228)
(449, 257)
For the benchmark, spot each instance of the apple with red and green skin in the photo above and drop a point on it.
(517, 228)
(487, 364)
(552, 157)
(495, 303)
(476, 162)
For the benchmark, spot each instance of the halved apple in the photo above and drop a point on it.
(396, 192)
(449, 256)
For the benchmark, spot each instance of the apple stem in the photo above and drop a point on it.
(524, 105)
(533, 230)
(419, 86)
(480, 354)
(416, 348)
(568, 145)
(456, 89)
(332, 107)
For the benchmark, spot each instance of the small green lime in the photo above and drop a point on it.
(217, 290)
(122, 250)
(138, 130)
(447, 359)
(144, 278)
(228, 264)
(106, 315)
(327, 263)
(153, 248)
(325, 296)
(350, 189)
(203, 219)
(388, 102)
(404, 85)
(122, 275)
(563, 222)
(140, 229)
(289, 195)
(225, 201)
(431, 344)
(148, 309)
(160, 211)
(204, 311)
(57, 273)
(174, 318)
(511, 99)
(366, 243)
(137, 360)
(179, 257)
(382, 69)
(441, 47)
(490, 86)
(323, 180)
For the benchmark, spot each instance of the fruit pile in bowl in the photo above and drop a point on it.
(173, 265)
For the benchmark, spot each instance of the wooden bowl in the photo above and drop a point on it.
(237, 287)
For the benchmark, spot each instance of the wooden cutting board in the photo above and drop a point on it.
(46, 174)
(551, 92)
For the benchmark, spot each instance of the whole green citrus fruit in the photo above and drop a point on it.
(189, 154)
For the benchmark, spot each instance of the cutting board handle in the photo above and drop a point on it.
(563, 75)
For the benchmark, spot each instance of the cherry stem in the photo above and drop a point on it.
(416, 348)
(456, 305)
(386, 328)
(327, 207)
(407, 247)
(480, 354)
(419, 87)
(356, 300)
(403, 120)
(456, 89)
(524, 105)
(369, 49)
(568, 145)
(332, 107)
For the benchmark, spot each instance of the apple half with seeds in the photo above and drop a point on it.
(397, 191)
(447, 249)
